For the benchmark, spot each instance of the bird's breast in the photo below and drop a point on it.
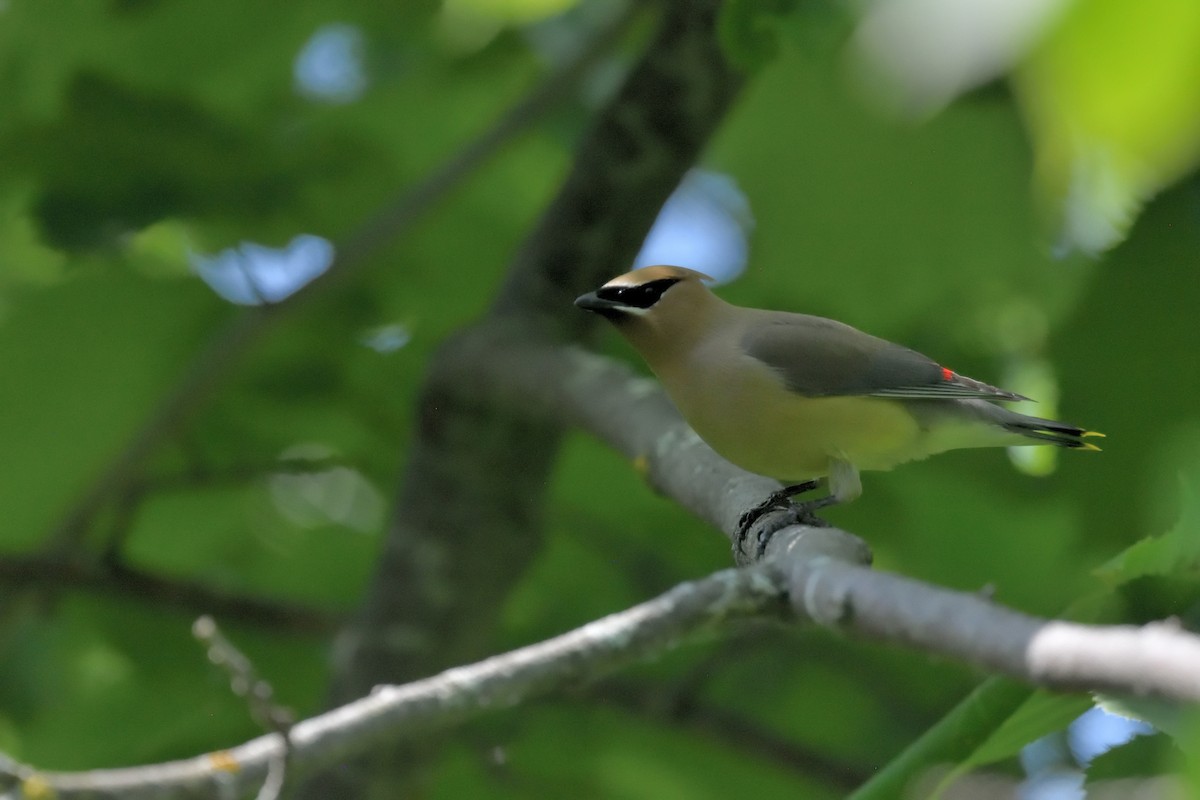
(743, 410)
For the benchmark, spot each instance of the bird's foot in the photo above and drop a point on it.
(796, 514)
(780, 501)
(775, 501)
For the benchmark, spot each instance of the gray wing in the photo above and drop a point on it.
(819, 357)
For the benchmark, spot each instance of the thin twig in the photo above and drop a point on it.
(119, 580)
(244, 679)
(246, 683)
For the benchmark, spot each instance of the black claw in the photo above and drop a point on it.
(797, 514)
(780, 500)
(776, 500)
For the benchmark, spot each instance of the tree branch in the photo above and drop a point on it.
(633, 416)
(391, 712)
(815, 567)
(189, 597)
(818, 573)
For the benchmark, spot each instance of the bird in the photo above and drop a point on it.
(804, 399)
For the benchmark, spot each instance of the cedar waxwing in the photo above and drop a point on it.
(797, 397)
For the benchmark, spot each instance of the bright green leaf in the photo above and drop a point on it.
(1140, 758)
(1112, 101)
(1174, 552)
(955, 738)
(1165, 715)
(1043, 713)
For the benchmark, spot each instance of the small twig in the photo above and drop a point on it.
(272, 788)
(115, 578)
(124, 516)
(245, 682)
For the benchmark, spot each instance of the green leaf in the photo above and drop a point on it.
(1176, 551)
(83, 364)
(1141, 757)
(1163, 714)
(1043, 713)
(121, 159)
(749, 31)
(955, 738)
(1112, 101)
(1188, 741)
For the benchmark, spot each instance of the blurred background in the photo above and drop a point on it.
(1010, 189)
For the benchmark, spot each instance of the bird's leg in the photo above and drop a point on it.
(821, 502)
(780, 500)
(776, 501)
(844, 486)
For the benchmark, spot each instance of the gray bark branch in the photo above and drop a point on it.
(837, 590)
(809, 574)
(393, 712)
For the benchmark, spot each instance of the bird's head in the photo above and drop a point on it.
(650, 294)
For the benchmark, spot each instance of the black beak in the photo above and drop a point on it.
(588, 301)
(598, 305)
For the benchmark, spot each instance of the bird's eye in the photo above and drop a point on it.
(643, 295)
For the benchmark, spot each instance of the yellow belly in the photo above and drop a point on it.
(796, 441)
(760, 426)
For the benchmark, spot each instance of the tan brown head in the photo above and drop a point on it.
(651, 297)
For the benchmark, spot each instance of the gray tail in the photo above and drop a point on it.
(1049, 431)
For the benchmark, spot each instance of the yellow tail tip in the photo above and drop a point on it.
(1091, 447)
(1092, 433)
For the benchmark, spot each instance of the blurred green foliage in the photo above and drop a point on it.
(134, 132)
(1112, 100)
